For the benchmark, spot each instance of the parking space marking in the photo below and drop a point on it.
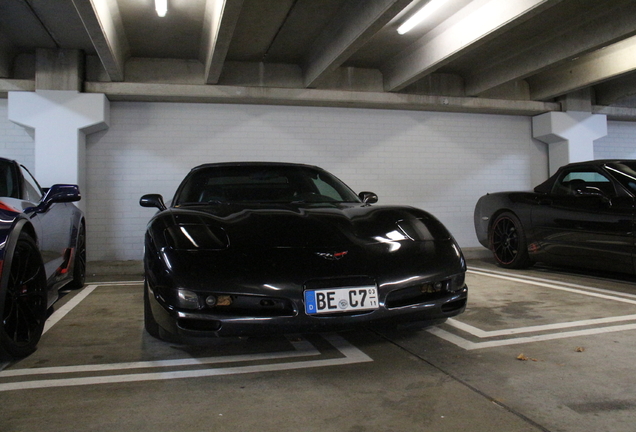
(544, 283)
(573, 288)
(61, 312)
(350, 353)
(532, 329)
(302, 348)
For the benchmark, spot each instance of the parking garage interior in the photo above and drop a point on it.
(482, 96)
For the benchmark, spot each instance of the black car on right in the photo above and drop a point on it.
(582, 216)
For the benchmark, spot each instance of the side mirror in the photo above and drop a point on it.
(59, 193)
(593, 191)
(62, 193)
(152, 200)
(368, 197)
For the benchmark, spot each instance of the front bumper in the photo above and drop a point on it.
(192, 326)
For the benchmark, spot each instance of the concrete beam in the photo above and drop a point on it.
(8, 85)
(311, 97)
(58, 69)
(7, 53)
(283, 75)
(106, 30)
(580, 100)
(451, 41)
(609, 22)
(610, 92)
(353, 26)
(218, 27)
(615, 113)
(588, 70)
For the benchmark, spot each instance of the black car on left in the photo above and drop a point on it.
(248, 248)
(582, 216)
(42, 249)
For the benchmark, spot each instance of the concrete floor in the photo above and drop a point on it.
(536, 350)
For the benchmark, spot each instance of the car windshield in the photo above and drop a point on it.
(625, 173)
(262, 184)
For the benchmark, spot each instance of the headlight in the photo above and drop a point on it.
(196, 237)
(187, 299)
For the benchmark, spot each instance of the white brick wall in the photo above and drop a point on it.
(620, 142)
(440, 162)
(15, 141)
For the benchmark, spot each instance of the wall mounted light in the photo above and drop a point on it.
(161, 6)
(419, 16)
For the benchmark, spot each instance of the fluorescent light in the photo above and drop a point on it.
(161, 7)
(419, 16)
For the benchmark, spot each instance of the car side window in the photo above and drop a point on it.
(576, 182)
(326, 189)
(32, 190)
(8, 183)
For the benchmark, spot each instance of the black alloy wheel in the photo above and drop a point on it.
(79, 264)
(23, 301)
(508, 242)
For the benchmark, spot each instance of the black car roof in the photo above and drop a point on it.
(599, 162)
(261, 164)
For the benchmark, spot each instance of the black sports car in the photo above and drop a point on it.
(582, 216)
(249, 248)
(42, 249)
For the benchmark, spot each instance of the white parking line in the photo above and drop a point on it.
(61, 312)
(534, 329)
(544, 283)
(350, 353)
(468, 345)
(302, 348)
(476, 270)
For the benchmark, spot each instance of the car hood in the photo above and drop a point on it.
(301, 226)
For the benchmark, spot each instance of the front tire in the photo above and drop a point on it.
(508, 242)
(23, 301)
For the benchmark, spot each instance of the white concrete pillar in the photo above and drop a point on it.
(570, 135)
(61, 120)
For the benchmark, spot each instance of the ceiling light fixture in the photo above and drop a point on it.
(161, 6)
(419, 16)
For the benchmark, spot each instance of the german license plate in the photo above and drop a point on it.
(336, 300)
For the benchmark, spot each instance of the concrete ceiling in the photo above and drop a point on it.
(500, 56)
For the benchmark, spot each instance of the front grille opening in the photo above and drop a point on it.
(343, 314)
(245, 305)
(415, 294)
(454, 305)
(199, 325)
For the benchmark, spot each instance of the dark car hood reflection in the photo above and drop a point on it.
(302, 225)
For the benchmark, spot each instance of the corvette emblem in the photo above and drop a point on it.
(332, 256)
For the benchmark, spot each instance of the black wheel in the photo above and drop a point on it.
(149, 321)
(79, 265)
(508, 242)
(23, 301)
